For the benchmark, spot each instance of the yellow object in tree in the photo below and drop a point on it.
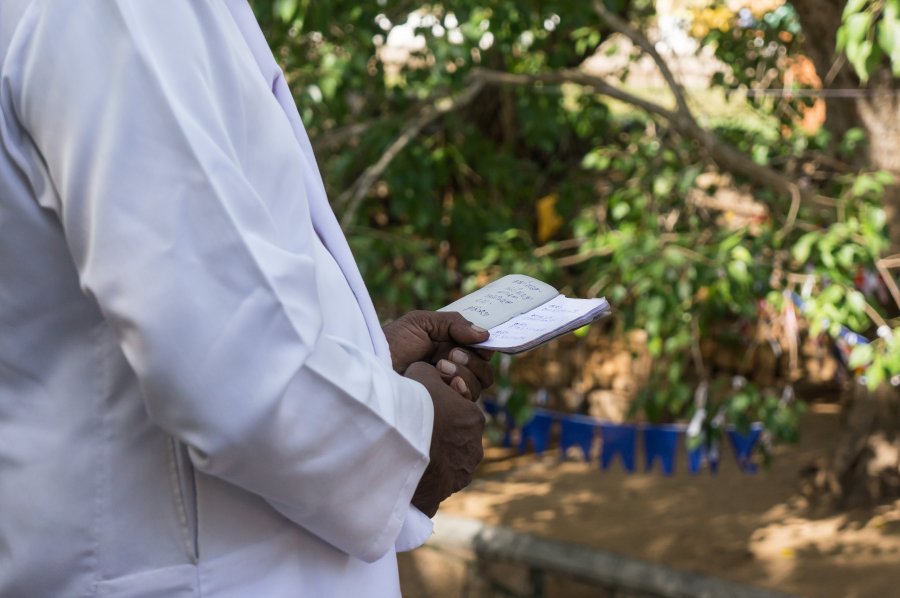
(548, 219)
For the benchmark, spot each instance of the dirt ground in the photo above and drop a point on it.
(755, 529)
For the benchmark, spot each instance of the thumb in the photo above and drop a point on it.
(460, 330)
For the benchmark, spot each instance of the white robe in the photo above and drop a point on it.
(196, 398)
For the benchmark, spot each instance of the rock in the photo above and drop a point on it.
(608, 405)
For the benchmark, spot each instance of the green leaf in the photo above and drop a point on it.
(730, 242)
(892, 9)
(738, 271)
(740, 402)
(655, 306)
(620, 210)
(825, 255)
(873, 60)
(845, 256)
(663, 184)
(892, 47)
(877, 218)
(853, 6)
(831, 295)
(841, 39)
(883, 176)
(285, 9)
(618, 293)
(858, 54)
(674, 373)
(857, 27)
(803, 247)
(885, 35)
(856, 301)
(860, 356)
(834, 329)
(865, 184)
(741, 253)
(874, 375)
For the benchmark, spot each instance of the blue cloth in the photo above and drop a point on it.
(577, 431)
(661, 442)
(743, 445)
(537, 431)
(705, 453)
(618, 440)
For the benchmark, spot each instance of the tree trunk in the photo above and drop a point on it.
(820, 20)
(878, 113)
(864, 466)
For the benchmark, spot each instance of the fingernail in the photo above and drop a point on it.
(460, 385)
(446, 367)
(459, 356)
(478, 329)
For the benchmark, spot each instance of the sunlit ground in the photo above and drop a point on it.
(754, 529)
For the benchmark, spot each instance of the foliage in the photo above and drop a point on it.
(457, 184)
(568, 186)
(759, 46)
(870, 35)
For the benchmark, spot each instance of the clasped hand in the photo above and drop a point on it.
(429, 348)
(441, 339)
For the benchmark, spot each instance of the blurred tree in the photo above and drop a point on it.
(463, 141)
(878, 112)
(856, 44)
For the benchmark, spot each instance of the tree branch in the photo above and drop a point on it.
(682, 120)
(722, 153)
(727, 157)
(578, 258)
(619, 24)
(572, 76)
(792, 214)
(883, 266)
(332, 140)
(349, 201)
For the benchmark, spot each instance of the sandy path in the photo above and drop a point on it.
(752, 529)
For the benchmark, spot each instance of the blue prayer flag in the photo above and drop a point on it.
(705, 453)
(537, 431)
(577, 431)
(661, 442)
(618, 440)
(743, 445)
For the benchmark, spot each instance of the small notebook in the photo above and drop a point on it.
(522, 312)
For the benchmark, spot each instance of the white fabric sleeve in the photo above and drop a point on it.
(140, 112)
(416, 530)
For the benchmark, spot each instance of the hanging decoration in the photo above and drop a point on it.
(660, 441)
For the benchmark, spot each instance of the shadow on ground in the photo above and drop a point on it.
(756, 529)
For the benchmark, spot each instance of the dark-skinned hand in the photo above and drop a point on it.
(455, 441)
(441, 339)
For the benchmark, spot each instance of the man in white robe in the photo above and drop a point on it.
(196, 398)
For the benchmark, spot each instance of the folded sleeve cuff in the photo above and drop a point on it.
(416, 530)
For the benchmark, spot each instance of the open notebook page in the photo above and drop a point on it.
(557, 316)
(502, 299)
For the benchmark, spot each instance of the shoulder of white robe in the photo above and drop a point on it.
(323, 217)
